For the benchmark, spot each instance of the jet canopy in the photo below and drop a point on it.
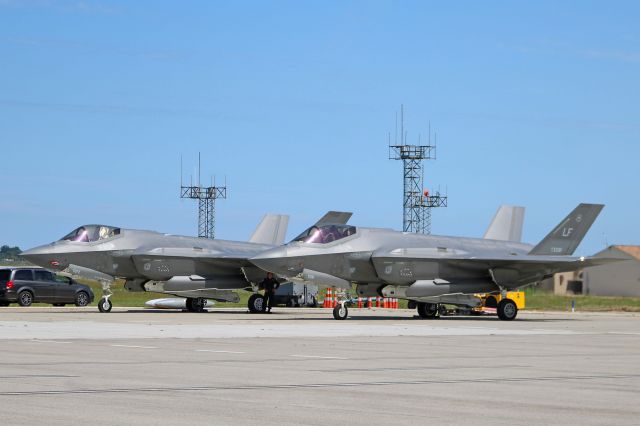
(90, 233)
(324, 234)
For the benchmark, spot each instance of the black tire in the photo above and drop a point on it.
(340, 312)
(82, 299)
(428, 310)
(105, 305)
(255, 303)
(507, 310)
(291, 303)
(313, 303)
(189, 303)
(491, 302)
(25, 298)
(58, 304)
(195, 304)
(199, 303)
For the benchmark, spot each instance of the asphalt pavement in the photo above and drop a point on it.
(135, 366)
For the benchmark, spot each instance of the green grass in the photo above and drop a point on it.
(543, 301)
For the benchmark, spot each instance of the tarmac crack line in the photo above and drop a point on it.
(316, 385)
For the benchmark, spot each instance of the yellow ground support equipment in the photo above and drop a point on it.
(491, 300)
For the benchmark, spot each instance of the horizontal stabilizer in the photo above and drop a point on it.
(506, 224)
(565, 238)
(334, 218)
(271, 230)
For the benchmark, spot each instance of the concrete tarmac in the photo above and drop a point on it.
(132, 366)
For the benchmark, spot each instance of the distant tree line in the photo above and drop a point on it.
(7, 252)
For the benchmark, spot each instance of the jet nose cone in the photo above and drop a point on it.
(44, 256)
(276, 260)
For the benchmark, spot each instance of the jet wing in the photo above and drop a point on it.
(164, 263)
(512, 269)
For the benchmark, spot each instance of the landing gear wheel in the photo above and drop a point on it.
(507, 310)
(25, 298)
(428, 310)
(313, 303)
(105, 305)
(340, 312)
(195, 304)
(255, 303)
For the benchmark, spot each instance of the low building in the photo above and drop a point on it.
(568, 283)
(614, 279)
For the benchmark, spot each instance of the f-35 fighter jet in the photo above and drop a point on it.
(195, 268)
(434, 270)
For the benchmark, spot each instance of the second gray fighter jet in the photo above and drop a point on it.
(434, 270)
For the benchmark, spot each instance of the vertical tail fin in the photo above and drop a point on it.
(506, 224)
(334, 218)
(565, 238)
(271, 230)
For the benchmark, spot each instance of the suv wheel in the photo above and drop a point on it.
(25, 298)
(82, 298)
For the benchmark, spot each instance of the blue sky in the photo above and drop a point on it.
(534, 104)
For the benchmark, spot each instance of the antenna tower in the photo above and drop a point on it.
(417, 201)
(206, 196)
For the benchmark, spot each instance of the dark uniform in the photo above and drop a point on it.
(269, 285)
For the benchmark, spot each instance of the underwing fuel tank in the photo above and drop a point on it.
(172, 303)
(196, 282)
(438, 287)
(320, 279)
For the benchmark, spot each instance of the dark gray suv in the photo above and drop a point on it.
(34, 285)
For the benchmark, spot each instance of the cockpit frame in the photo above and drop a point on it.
(325, 234)
(92, 233)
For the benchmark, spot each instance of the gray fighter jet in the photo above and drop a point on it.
(195, 268)
(435, 270)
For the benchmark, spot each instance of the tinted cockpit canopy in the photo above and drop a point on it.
(325, 234)
(90, 233)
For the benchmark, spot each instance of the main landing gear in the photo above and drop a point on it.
(255, 303)
(428, 310)
(196, 304)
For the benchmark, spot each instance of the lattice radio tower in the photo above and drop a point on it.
(417, 202)
(206, 196)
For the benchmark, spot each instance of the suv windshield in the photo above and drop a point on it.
(89, 233)
(325, 234)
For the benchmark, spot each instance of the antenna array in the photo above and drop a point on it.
(417, 201)
(206, 197)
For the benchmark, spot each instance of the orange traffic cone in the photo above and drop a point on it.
(369, 303)
(327, 299)
(359, 302)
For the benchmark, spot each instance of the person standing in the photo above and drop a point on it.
(270, 285)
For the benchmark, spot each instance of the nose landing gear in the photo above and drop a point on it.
(341, 312)
(105, 305)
